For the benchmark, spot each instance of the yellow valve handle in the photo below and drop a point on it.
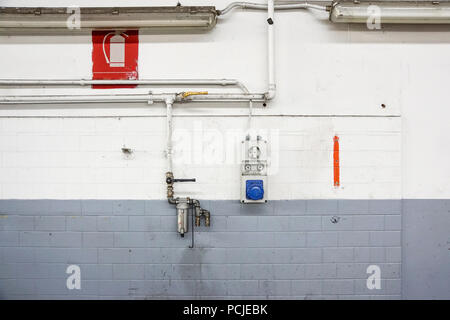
(194, 93)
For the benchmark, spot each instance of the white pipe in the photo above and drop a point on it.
(169, 128)
(250, 111)
(270, 7)
(219, 97)
(83, 82)
(51, 99)
(260, 6)
(271, 49)
(112, 98)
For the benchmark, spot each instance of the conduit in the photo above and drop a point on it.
(169, 129)
(271, 49)
(120, 98)
(261, 6)
(88, 82)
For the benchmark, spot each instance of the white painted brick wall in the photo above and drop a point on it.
(48, 160)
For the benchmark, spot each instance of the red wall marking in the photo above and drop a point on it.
(115, 57)
(336, 161)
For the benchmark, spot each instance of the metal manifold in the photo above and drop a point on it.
(184, 206)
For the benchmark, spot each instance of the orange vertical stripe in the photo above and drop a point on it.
(336, 162)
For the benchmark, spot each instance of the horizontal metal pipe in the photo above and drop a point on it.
(261, 6)
(169, 82)
(50, 99)
(391, 12)
(227, 97)
(87, 82)
(120, 98)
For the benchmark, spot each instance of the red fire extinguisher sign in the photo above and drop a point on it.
(115, 56)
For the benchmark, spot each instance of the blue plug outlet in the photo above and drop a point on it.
(254, 189)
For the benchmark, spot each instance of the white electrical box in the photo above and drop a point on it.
(254, 171)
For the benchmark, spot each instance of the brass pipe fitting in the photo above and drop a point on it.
(170, 192)
(193, 93)
(197, 212)
(207, 218)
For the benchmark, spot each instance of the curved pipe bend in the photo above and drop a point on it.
(260, 6)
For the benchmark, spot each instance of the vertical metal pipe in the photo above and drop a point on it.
(271, 49)
(169, 127)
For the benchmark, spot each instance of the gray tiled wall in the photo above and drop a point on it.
(130, 250)
(426, 249)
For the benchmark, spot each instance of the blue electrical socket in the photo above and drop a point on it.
(254, 189)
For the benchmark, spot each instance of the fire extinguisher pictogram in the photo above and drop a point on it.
(116, 49)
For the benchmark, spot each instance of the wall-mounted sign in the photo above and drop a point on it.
(115, 56)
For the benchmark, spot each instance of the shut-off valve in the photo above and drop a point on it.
(183, 206)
